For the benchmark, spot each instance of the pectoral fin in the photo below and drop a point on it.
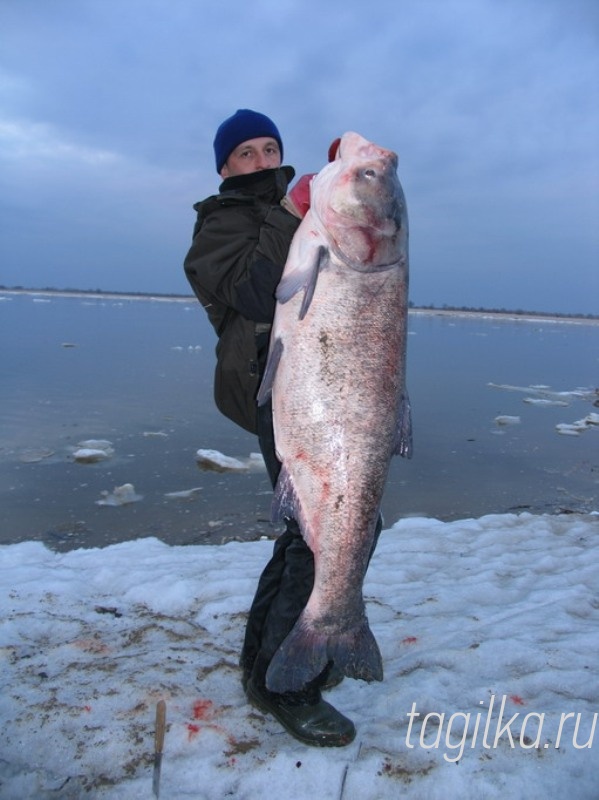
(303, 277)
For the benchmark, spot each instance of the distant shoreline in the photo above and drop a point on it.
(165, 298)
(511, 316)
(505, 316)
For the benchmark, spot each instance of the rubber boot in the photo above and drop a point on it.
(305, 715)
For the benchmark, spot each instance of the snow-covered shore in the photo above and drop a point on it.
(489, 630)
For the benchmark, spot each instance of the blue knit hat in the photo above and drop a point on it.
(243, 125)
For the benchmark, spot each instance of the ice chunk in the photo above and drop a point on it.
(93, 450)
(98, 444)
(567, 429)
(577, 427)
(185, 494)
(542, 391)
(544, 401)
(121, 496)
(256, 461)
(506, 419)
(89, 455)
(217, 462)
(35, 454)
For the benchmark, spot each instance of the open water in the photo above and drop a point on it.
(138, 373)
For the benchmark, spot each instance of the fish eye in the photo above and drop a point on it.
(369, 173)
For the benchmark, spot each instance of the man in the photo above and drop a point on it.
(240, 243)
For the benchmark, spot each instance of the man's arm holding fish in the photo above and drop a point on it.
(238, 253)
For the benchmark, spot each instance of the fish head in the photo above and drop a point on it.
(360, 205)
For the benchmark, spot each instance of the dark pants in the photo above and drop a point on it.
(286, 582)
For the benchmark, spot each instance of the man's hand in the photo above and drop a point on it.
(297, 200)
(333, 149)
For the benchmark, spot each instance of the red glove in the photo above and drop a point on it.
(333, 149)
(298, 199)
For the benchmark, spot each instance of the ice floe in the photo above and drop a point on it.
(184, 494)
(544, 396)
(506, 419)
(120, 496)
(578, 427)
(93, 450)
(32, 455)
(216, 461)
(542, 392)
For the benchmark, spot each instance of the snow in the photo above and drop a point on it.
(496, 618)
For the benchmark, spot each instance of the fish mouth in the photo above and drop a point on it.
(363, 149)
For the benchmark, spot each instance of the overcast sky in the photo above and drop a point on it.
(108, 109)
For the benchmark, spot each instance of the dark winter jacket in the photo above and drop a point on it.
(240, 243)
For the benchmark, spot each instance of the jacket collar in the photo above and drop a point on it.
(270, 185)
(265, 182)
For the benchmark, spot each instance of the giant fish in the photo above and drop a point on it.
(336, 376)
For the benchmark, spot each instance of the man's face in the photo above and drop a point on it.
(252, 156)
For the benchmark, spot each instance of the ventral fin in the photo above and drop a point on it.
(286, 505)
(285, 502)
(274, 357)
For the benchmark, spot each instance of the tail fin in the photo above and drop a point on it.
(306, 651)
